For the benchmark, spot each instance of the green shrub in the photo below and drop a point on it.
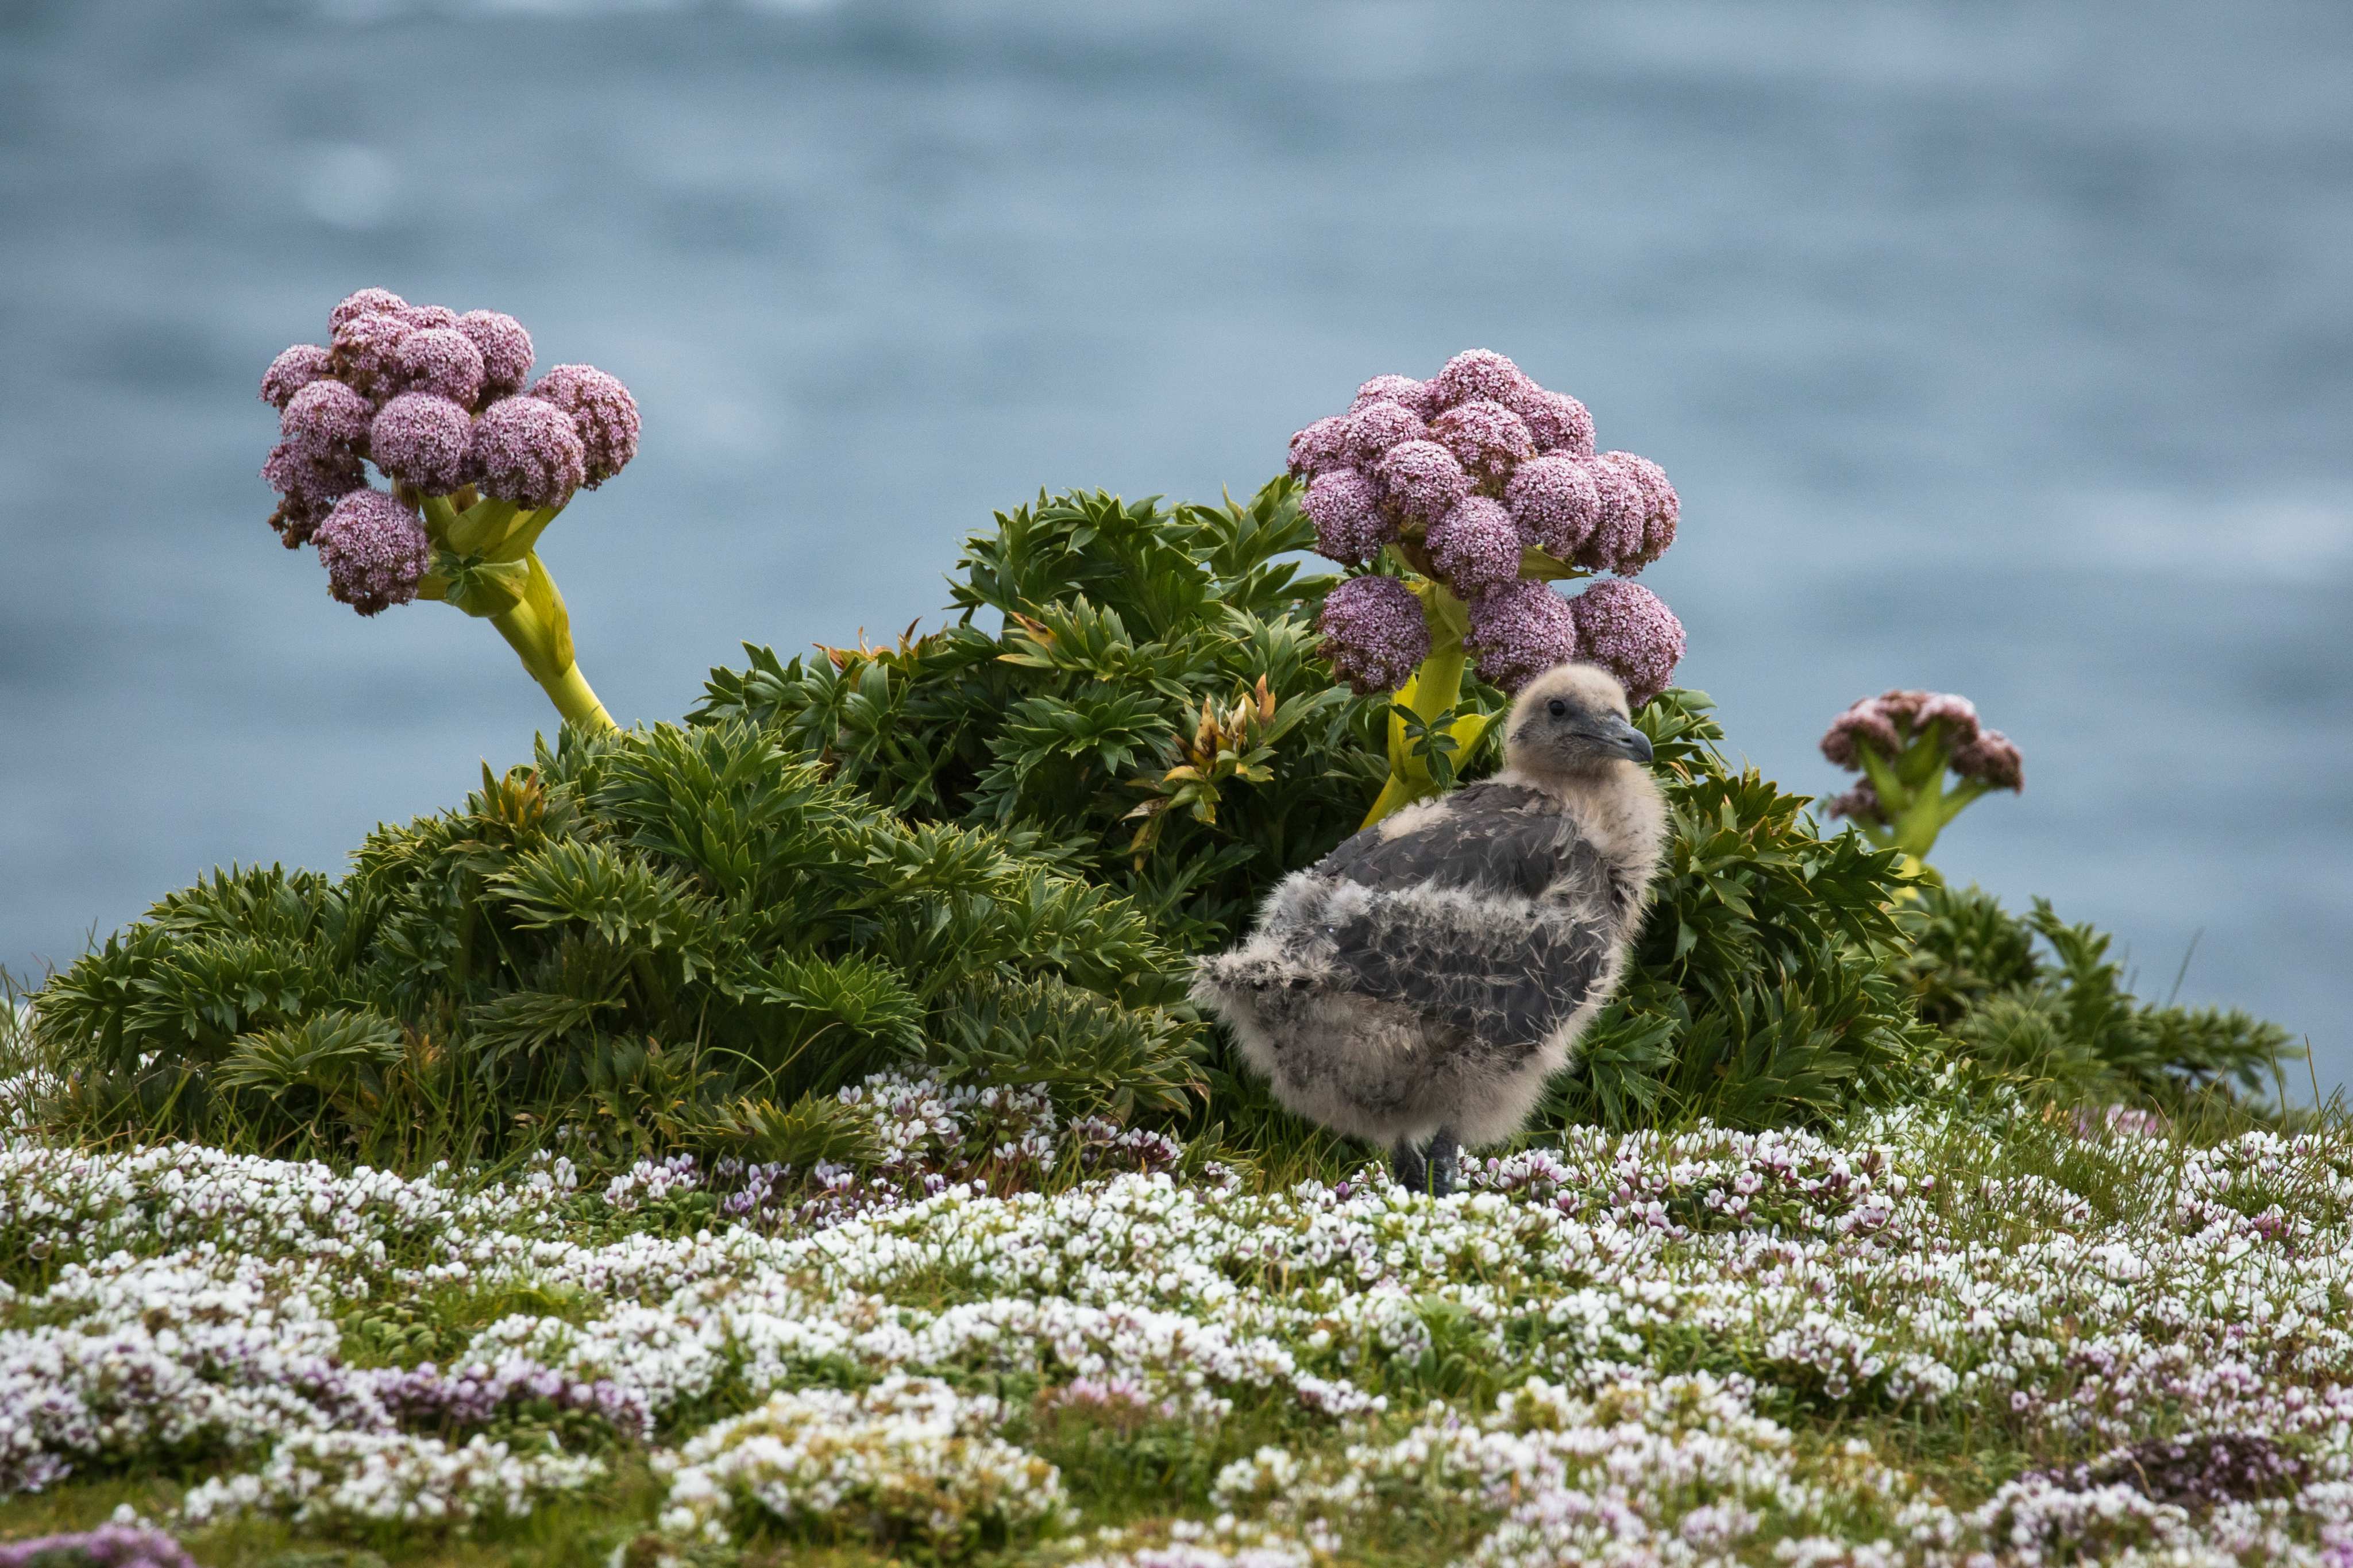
(2058, 1018)
(1129, 633)
(1151, 712)
(662, 937)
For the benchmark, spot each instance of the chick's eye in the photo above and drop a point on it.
(1557, 708)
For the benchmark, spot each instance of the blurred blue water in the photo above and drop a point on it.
(1997, 347)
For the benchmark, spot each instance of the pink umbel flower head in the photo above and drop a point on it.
(422, 439)
(442, 361)
(1401, 390)
(1374, 427)
(1554, 500)
(1488, 439)
(1888, 723)
(505, 349)
(527, 450)
(1322, 445)
(327, 416)
(291, 372)
(1992, 757)
(1475, 547)
(375, 551)
(1902, 742)
(1662, 508)
(1558, 422)
(366, 302)
(1346, 512)
(1519, 631)
(1421, 479)
(1865, 723)
(1474, 375)
(1860, 803)
(1956, 713)
(1375, 634)
(1620, 523)
(308, 484)
(426, 318)
(1630, 631)
(602, 411)
(364, 350)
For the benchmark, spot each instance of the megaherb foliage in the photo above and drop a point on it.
(1152, 709)
(2057, 1016)
(661, 937)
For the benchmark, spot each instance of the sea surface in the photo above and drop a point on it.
(1999, 347)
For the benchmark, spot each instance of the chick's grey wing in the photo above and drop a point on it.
(1472, 919)
(1506, 972)
(1490, 837)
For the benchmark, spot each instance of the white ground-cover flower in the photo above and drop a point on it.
(2117, 1288)
(325, 1480)
(909, 1457)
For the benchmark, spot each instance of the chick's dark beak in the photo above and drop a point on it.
(1615, 731)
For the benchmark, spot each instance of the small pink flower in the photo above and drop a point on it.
(1375, 634)
(1374, 427)
(1475, 547)
(1519, 631)
(602, 411)
(1994, 758)
(1558, 422)
(291, 372)
(364, 353)
(1474, 374)
(1628, 631)
(1621, 523)
(1867, 722)
(327, 416)
(422, 439)
(505, 349)
(366, 302)
(1401, 390)
(527, 450)
(1556, 504)
(1423, 478)
(1345, 510)
(1322, 445)
(442, 361)
(375, 551)
(1487, 438)
(1662, 508)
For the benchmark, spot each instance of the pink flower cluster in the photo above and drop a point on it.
(438, 402)
(1468, 472)
(1886, 725)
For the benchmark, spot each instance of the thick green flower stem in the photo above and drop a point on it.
(484, 564)
(1429, 696)
(1912, 792)
(539, 645)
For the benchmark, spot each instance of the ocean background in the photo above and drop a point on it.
(1998, 347)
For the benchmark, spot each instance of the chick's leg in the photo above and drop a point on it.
(1445, 1161)
(1406, 1164)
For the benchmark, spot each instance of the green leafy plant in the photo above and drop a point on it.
(2040, 1002)
(1149, 710)
(663, 937)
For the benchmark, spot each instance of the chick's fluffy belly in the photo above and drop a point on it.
(1384, 1069)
